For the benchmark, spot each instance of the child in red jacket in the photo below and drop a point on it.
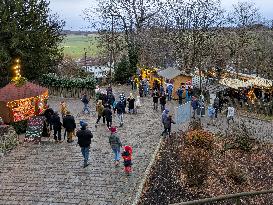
(127, 157)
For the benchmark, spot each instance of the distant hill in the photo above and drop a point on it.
(85, 33)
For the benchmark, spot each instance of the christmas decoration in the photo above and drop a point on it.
(20, 103)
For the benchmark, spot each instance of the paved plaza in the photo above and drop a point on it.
(52, 173)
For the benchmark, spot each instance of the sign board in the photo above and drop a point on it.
(35, 127)
(183, 113)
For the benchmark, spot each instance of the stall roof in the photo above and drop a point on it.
(11, 92)
(171, 73)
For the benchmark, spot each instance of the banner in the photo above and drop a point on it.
(183, 113)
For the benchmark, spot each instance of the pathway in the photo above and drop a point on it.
(52, 173)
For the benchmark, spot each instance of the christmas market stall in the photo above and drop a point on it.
(254, 92)
(176, 77)
(22, 102)
(150, 74)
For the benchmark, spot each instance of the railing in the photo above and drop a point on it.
(234, 197)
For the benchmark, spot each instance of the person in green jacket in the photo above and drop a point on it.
(115, 144)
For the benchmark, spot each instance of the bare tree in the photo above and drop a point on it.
(130, 17)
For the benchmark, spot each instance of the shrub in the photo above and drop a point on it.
(240, 137)
(200, 139)
(20, 127)
(195, 124)
(235, 173)
(54, 80)
(195, 164)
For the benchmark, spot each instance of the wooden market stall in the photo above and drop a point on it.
(19, 103)
(176, 77)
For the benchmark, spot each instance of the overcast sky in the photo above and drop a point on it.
(71, 10)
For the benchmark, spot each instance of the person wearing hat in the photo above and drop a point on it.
(115, 144)
(69, 125)
(168, 125)
(84, 140)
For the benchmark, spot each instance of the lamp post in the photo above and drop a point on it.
(85, 56)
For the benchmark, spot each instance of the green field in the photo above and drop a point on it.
(74, 46)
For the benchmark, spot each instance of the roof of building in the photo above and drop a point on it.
(12, 92)
(171, 73)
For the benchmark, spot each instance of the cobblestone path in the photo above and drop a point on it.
(52, 173)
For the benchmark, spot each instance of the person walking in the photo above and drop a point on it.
(164, 116)
(146, 88)
(84, 140)
(99, 109)
(180, 94)
(63, 110)
(162, 101)
(107, 113)
(141, 89)
(69, 125)
(57, 127)
(138, 104)
(85, 101)
(131, 103)
(115, 144)
(168, 125)
(216, 104)
(119, 109)
(230, 113)
(127, 159)
(122, 98)
(169, 91)
(211, 112)
(194, 105)
(155, 99)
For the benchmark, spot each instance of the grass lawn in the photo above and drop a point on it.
(74, 46)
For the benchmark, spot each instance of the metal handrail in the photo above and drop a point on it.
(225, 197)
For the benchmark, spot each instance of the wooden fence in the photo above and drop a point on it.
(230, 197)
(70, 93)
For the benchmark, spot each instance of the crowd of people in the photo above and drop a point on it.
(107, 105)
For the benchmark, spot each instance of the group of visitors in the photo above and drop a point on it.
(198, 108)
(55, 123)
(107, 104)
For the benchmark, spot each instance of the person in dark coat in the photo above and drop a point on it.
(48, 115)
(141, 90)
(155, 99)
(107, 113)
(194, 105)
(168, 125)
(84, 140)
(122, 98)
(69, 125)
(109, 90)
(120, 108)
(57, 127)
(162, 101)
(180, 94)
(131, 102)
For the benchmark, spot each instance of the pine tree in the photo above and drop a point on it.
(30, 32)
